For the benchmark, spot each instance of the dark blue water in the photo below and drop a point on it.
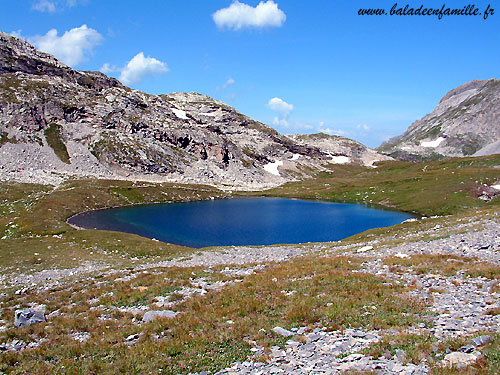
(241, 221)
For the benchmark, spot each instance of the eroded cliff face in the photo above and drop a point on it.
(466, 122)
(56, 123)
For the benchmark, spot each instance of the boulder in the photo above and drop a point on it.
(27, 317)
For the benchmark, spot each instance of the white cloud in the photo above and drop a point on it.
(44, 6)
(330, 130)
(240, 15)
(71, 47)
(140, 67)
(283, 109)
(280, 106)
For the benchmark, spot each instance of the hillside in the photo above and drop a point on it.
(57, 123)
(466, 122)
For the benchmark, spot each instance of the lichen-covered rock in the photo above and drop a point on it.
(283, 332)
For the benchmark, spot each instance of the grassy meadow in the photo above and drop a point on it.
(326, 289)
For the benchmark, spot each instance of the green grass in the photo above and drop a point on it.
(53, 135)
(35, 235)
(327, 294)
(314, 291)
(428, 188)
(446, 265)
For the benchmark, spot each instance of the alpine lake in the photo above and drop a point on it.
(241, 221)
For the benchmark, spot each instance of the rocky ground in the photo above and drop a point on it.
(458, 307)
(458, 303)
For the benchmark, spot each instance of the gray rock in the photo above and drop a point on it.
(481, 340)
(314, 337)
(153, 314)
(132, 337)
(26, 317)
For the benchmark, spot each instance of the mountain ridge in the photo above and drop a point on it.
(464, 123)
(58, 123)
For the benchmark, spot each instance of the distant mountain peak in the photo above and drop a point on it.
(466, 122)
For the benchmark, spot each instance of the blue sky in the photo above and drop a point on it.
(301, 67)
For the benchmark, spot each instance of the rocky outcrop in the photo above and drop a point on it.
(466, 122)
(56, 122)
(340, 150)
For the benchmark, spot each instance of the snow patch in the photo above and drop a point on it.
(433, 143)
(180, 113)
(273, 167)
(497, 187)
(340, 159)
(208, 114)
(295, 156)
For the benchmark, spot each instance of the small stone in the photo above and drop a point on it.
(401, 255)
(314, 337)
(358, 334)
(401, 355)
(53, 314)
(27, 317)
(80, 336)
(352, 357)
